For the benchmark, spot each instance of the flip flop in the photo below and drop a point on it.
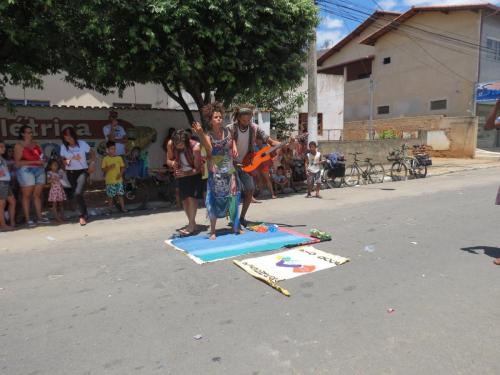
(184, 232)
(497, 261)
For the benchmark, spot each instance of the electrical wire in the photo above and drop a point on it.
(355, 14)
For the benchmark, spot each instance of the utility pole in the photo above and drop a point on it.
(370, 125)
(312, 91)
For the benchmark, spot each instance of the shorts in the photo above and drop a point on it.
(314, 178)
(190, 187)
(204, 182)
(5, 190)
(246, 181)
(30, 176)
(114, 190)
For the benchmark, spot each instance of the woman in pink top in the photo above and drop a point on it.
(30, 174)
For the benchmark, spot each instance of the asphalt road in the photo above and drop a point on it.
(111, 298)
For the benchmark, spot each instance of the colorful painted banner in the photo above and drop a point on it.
(289, 264)
(488, 92)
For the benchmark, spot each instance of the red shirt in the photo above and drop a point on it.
(32, 154)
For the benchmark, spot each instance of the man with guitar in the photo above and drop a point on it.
(245, 134)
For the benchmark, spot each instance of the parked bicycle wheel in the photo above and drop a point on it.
(419, 170)
(352, 176)
(399, 171)
(376, 174)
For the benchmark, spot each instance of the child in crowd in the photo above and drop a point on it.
(113, 168)
(57, 196)
(6, 196)
(262, 174)
(313, 167)
(280, 179)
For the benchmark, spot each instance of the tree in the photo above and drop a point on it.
(284, 104)
(29, 43)
(207, 48)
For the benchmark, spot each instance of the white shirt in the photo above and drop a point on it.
(5, 169)
(77, 156)
(185, 166)
(120, 133)
(242, 144)
(313, 164)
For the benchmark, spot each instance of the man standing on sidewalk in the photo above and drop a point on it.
(245, 133)
(493, 122)
(116, 133)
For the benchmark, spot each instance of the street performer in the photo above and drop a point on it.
(245, 134)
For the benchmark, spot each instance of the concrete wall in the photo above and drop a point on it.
(422, 69)
(353, 50)
(489, 68)
(58, 92)
(330, 104)
(48, 123)
(377, 150)
(454, 137)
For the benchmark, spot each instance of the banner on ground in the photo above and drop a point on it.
(289, 264)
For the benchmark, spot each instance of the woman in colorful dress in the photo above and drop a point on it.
(223, 193)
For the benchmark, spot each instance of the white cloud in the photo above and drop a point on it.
(328, 38)
(331, 23)
(388, 4)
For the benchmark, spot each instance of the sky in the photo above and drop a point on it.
(335, 22)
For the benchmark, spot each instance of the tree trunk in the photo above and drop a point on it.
(179, 99)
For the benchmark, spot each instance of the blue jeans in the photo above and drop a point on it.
(31, 176)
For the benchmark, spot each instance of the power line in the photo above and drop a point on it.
(355, 17)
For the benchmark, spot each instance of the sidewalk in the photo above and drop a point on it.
(96, 196)
(442, 166)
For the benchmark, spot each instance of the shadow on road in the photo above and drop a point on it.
(493, 252)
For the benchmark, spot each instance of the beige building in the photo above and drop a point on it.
(426, 61)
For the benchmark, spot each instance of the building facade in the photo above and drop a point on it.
(426, 61)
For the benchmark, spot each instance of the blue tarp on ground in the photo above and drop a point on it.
(201, 249)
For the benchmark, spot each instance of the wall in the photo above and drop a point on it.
(59, 92)
(453, 137)
(376, 150)
(353, 50)
(489, 68)
(330, 104)
(48, 123)
(423, 70)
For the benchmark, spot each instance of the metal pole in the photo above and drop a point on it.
(312, 92)
(370, 126)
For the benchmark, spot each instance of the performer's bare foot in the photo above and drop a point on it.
(274, 197)
(212, 237)
(239, 231)
(497, 261)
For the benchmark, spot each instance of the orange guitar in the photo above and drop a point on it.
(253, 161)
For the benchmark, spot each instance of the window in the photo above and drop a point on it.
(132, 105)
(35, 103)
(383, 110)
(493, 46)
(303, 123)
(387, 60)
(437, 105)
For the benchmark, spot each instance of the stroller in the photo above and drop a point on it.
(334, 167)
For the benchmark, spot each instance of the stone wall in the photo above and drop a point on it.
(452, 137)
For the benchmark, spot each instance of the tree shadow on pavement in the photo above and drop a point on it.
(493, 252)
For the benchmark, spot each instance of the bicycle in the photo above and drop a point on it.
(403, 164)
(373, 172)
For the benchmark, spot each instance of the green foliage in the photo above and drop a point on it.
(283, 104)
(387, 134)
(29, 42)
